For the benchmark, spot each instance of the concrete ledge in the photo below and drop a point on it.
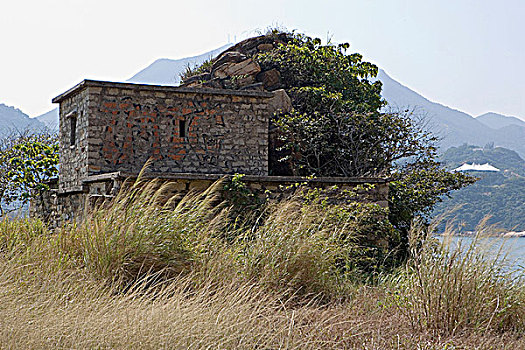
(162, 88)
(248, 178)
(71, 190)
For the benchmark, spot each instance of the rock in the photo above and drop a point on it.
(192, 84)
(264, 47)
(213, 84)
(199, 78)
(229, 56)
(227, 84)
(271, 79)
(244, 80)
(238, 82)
(256, 87)
(246, 67)
(250, 44)
(280, 102)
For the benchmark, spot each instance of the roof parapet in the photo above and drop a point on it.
(161, 88)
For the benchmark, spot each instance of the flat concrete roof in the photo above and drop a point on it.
(162, 88)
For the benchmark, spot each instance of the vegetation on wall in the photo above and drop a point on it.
(336, 127)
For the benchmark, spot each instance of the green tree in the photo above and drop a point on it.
(417, 187)
(6, 195)
(339, 127)
(27, 162)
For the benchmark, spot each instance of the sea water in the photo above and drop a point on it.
(510, 251)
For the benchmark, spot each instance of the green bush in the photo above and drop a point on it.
(309, 245)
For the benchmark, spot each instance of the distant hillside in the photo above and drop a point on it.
(453, 126)
(13, 119)
(50, 119)
(498, 121)
(167, 72)
(500, 195)
(163, 71)
(501, 158)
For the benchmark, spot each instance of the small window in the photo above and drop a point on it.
(72, 128)
(182, 128)
(73, 136)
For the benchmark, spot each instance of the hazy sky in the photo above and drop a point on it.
(469, 55)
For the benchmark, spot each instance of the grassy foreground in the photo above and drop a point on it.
(152, 271)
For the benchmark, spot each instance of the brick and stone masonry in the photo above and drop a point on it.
(107, 127)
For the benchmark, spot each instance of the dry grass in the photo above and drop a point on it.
(273, 287)
(445, 290)
(66, 312)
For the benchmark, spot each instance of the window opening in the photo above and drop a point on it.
(73, 128)
(182, 128)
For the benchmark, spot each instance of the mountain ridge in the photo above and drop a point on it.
(50, 119)
(165, 71)
(13, 119)
(498, 121)
(453, 126)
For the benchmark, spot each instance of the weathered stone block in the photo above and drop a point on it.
(280, 102)
(229, 69)
(271, 79)
(264, 47)
(228, 57)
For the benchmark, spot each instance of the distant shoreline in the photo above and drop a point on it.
(515, 234)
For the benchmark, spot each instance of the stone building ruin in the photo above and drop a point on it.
(193, 135)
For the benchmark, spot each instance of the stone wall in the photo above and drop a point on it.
(120, 126)
(192, 136)
(58, 207)
(71, 206)
(44, 205)
(73, 153)
(100, 188)
(235, 68)
(368, 190)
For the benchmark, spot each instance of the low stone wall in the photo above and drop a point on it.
(55, 208)
(58, 207)
(44, 206)
(371, 190)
